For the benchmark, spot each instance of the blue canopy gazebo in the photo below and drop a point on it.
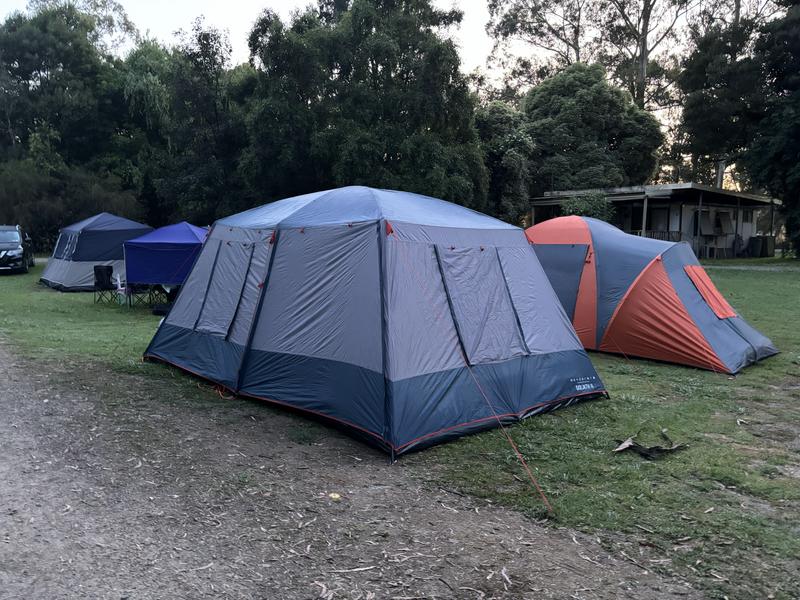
(164, 256)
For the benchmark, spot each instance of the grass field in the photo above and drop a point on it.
(725, 513)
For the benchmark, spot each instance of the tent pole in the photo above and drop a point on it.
(387, 404)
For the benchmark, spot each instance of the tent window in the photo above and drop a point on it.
(709, 292)
(61, 246)
(65, 245)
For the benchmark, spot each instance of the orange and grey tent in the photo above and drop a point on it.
(641, 297)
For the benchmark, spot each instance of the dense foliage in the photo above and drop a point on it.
(773, 158)
(361, 92)
(589, 134)
(371, 92)
(371, 95)
(592, 204)
(742, 106)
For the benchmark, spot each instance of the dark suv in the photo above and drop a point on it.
(16, 253)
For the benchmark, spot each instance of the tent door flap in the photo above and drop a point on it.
(225, 290)
(481, 306)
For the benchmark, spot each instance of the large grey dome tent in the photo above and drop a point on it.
(94, 241)
(405, 318)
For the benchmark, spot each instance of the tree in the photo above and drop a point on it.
(43, 56)
(773, 157)
(201, 177)
(508, 149)
(723, 97)
(562, 28)
(636, 31)
(625, 36)
(148, 87)
(720, 83)
(111, 27)
(593, 204)
(371, 94)
(588, 133)
(63, 147)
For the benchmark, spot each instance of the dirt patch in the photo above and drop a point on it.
(132, 487)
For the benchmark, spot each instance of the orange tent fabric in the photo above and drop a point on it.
(709, 291)
(643, 297)
(652, 322)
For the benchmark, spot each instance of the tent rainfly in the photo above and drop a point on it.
(93, 241)
(641, 297)
(164, 256)
(406, 319)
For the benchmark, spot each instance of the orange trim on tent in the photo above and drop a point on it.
(564, 230)
(709, 291)
(652, 322)
(625, 295)
(575, 230)
(585, 319)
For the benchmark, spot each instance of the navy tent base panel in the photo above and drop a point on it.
(62, 288)
(752, 358)
(418, 412)
(492, 422)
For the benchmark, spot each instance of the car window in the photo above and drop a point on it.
(9, 236)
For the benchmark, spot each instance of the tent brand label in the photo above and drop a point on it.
(584, 384)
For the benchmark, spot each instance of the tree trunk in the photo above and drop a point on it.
(643, 53)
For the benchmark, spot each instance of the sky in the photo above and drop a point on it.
(161, 18)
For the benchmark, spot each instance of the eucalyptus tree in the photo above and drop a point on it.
(367, 92)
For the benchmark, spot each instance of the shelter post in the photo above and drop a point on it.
(772, 217)
(736, 230)
(697, 228)
(644, 216)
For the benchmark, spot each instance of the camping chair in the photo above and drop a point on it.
(122, 291)
(138, 295)
(104, 288)
(157, 295)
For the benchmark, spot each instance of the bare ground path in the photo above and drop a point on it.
(116, 486)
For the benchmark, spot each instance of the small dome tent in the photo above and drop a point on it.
(407, 319)
(641, 297)
(163, 256)
(94, 241)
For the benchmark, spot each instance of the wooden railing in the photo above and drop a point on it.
(666, 236)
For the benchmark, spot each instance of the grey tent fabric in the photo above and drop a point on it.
(481, 304)
(404, 318)
(81, 246)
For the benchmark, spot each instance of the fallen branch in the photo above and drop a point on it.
(649, 452)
